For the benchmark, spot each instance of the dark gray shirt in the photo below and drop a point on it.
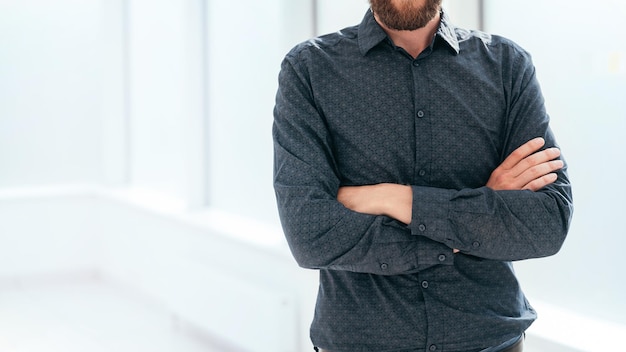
(353, 109)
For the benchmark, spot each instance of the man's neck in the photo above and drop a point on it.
(413, 42)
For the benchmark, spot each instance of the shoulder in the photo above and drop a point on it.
(492, 41)
(326, 45)
(498, 47)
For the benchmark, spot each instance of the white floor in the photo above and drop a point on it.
(83, 313)
(90, 315)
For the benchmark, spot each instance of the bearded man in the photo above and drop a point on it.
(414, 163)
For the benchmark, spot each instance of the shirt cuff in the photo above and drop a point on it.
(430, 219)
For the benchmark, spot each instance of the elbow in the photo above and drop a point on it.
(313, 244)
(556, 231)
(320, 252)
(309, 256)
(303, 257)
(554, 246)
(555, 237)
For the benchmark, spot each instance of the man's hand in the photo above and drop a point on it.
(388, 199)
(526, 168)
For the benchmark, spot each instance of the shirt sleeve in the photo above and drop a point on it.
(503, 225)
(321, 232)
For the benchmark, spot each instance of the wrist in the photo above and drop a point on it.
(398, 201)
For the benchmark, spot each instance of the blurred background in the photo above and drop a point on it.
(136, 203)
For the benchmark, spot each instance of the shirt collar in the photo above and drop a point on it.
(371, 34)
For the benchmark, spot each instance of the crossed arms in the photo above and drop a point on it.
(526, 168)
(518, 215)
(523, 211)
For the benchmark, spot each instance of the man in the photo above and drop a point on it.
(413, 163)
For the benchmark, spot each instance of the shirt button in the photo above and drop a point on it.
(422, 173)
(416, 63)
(424, 284)
(476, 244)
(422, 227)
(384, 266)
(420, 114)
(432, 348)
(442, 257)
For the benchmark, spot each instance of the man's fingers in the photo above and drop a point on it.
(527, 167)
(533, 178)
(538, 159)
(541, 182)
(536, 175)
(522, 152)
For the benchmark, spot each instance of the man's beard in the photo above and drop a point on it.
(407, 15)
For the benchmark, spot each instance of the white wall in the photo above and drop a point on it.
(50, 91)
(135, 143)
(581, 63)
(173, 97)
(165, 94)
(247, 41)
(333, 15)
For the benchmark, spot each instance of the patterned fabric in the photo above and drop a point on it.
(353, 109)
